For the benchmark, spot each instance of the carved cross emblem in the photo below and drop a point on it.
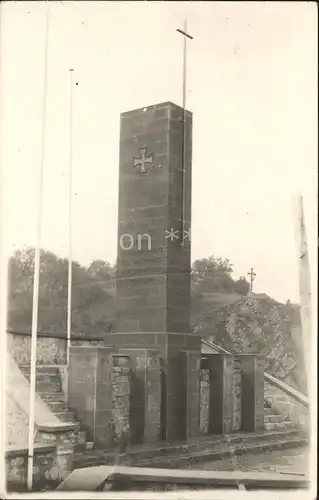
(143, 160)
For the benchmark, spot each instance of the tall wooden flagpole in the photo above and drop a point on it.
(36, 278)
(69, 305)
(304, 290)
(186, 36)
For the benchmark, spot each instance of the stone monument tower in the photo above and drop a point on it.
(153, 272)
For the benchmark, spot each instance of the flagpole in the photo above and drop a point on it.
(69, 306)
(304, 290)
(36, 276)
(184, 131)
(184, 152)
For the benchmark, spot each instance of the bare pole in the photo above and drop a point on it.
(185, 35)
(36, 277)
(304, 290)
(69, 306)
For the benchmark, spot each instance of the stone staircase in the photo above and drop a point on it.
(275, 421)
(49, 388)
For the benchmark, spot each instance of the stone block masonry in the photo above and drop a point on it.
(153, 273)
(90, 391)
(252, 414)
(237, 386)
(153, 281)
(121, 388)
(204, 401)
(144, 394)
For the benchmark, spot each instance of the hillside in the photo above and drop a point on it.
(221, 309)
(258, 324)
(251, 324)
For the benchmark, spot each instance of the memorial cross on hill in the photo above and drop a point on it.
(252, 278)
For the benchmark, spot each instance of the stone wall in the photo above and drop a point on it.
(51, 350)
(16, 462)
(204, 401)
(16, 423)
(287, 405)
(53, 458)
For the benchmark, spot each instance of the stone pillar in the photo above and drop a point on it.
(145, 394)
(252, 367)
(204, 401)
(63, 438)
(153, 397)
(153, 271)
(237, 389)
(221, 392)
(121, 389)
(193, 394)
(90, 391)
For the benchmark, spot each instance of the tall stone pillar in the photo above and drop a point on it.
(153, 268)
(252, 402)
(221, 404)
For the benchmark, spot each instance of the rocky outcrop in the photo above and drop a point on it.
(259, 324)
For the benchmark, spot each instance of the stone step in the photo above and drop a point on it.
(45, 381)
(44, 370)
(46, 387)
(271, 411)
(56, 406)
(66, 416)
(278, 426)
(177, 456)
(274, 418)
(148, 452)
(223, 453)
(52, 396)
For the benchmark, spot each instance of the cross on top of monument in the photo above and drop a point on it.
(144, 159)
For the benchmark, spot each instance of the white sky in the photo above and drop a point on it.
(252, 87)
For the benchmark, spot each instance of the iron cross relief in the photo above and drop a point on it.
(143, 160)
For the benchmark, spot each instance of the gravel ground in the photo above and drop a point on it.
(294, 461)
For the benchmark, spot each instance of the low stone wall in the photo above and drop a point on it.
(53, 458)
(51, 350)
(54, 440)
(16, 423)
(51, 347)
(287, 405)
(16, 461)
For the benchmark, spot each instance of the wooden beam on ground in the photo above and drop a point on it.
(94, 478)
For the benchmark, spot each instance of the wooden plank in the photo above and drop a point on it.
(93, 478)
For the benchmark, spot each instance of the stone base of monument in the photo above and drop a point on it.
(164, 385)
